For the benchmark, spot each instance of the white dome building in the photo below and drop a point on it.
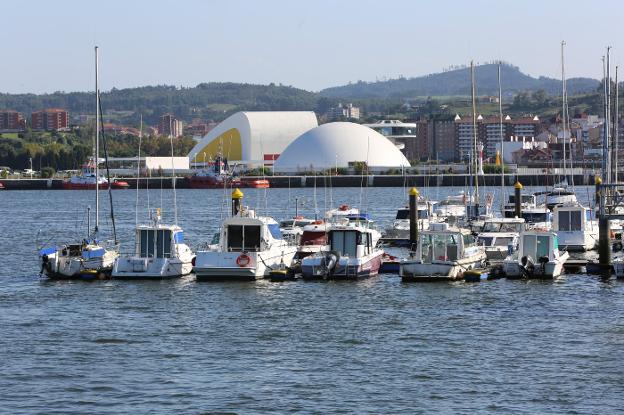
(339, 144)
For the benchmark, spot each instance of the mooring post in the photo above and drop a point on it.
(518, 199)
(413, 217)
(237, 197)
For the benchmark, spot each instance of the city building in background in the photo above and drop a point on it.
(11, 121)
(343, 112)
(52, 119)
(170, 126)
(402, 134)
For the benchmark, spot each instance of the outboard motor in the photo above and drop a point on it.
(527, 265)
(543, 260)
(330, 260)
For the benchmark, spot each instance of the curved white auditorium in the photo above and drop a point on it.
(254, 137)
(339, 144)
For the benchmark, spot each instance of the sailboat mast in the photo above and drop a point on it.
(616, 127)
(173, 178)
(475, 159)
(563, 111)
(502, 137)
(97, 144)
(606, 176)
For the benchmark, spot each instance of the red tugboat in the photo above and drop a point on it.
(214, 176)
(86, 180)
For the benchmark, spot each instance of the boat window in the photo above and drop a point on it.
(529, 246)
(178, 237)
(163, 243)
(147, 243)
(542, 246)
(503, 241)
(426, 252)
(491, 227)
(510, 227)
(402, 214)
(243, 238)
(533, 217)
(588, 215)
(468, 240)
(215, 238)
(575, 220)
(485, 240)
(345, 242)
(275, 230)
(423, 214)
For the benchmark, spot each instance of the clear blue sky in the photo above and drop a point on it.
(48, 45)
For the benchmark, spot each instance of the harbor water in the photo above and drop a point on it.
(373, 346)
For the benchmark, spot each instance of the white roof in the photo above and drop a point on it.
(338, 144)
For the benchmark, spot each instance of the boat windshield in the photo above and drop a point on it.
(344, 242)
(243, 238)
(502, 227)
(485, 240)
(439, 247)
(155, 243)
(503, 241)
(536, 246)
(404, 214)
(570, 220)
(534, 217)
(313, 238)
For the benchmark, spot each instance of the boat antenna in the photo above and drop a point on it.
(97, 147)
(138, 177)
(502, 137)
(108, 177)
(173, 178)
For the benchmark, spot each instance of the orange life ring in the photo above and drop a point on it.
(243, 260)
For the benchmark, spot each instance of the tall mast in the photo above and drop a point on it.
(97, 144)
(605, 142)
(616, 128)
(502, 137)
(563, 111)
(475, 159)
(173, 178)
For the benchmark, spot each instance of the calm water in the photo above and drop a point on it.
(375, 346)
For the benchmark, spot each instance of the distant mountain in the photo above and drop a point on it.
(457, 82)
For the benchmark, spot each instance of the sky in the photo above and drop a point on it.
(48, 45)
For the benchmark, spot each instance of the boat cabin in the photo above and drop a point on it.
(158, 242)
(249, 234)
(423, 213)
(501, 225)
(537, 215)
(352, 242)
(572, 218)
(538, 244)
(441, 243)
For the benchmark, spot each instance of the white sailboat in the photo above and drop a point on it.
(90, 258)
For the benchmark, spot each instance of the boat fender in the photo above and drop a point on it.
(243, 260)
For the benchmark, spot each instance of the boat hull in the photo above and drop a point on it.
(56, 266)
(220, 266)
(577, 241)
(552, 269)
(345, 269)
(151, 268)
(417, 271)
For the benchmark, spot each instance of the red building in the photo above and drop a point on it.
(52, 119)
(11, 121)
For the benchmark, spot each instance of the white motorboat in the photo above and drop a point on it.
(249, 247)
(453, 206)
(526, 202)
(560, 196)
(351, 254)
(313, 239)
(537, 218)
(499, 236)
(575, 226)
(443, 253)
(292, 229)
(160, 252)
(538, 256)
(401, 224)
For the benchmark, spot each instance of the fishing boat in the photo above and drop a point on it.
(87, 179)
(160, 252)
(249, 247)
(216, 175)
(351, 254)
(575, 227)
(538, 256)
(90, 258)
(443, 253)
(500, 237)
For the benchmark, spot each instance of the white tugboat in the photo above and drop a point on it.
(537, 257)
(249, 247)
(351, 254)
(575, 226)
(160, 252)
(443, 253)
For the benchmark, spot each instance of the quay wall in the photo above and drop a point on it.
(326, 181)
